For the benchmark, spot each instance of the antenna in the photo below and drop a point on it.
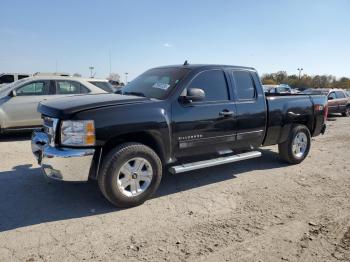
(186, 63)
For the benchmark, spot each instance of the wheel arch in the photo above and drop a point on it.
(286, 129)
(148, 138)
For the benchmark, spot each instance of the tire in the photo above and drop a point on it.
(347, 111)
(297, 153)
(140, 162)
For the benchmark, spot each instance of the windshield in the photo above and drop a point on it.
(103, 85)
(155, 83)
(8, 87)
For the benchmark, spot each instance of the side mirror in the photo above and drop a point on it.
(13, 93)
(194, 95)
(330, 98)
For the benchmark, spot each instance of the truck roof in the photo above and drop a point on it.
(206, 66)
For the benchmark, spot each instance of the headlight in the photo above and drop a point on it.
(78, 133)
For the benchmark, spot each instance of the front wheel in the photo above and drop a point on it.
(347, 111)
(297, 146)
(130, 174)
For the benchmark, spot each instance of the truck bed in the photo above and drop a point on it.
(284, 110)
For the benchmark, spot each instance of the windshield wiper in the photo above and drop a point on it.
(134, 93)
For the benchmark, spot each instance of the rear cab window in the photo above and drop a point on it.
(244, 85)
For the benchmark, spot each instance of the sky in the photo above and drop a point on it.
(271, 35)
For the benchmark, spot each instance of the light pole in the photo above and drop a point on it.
(126, 78)
(91, 69)
(110, 62)
(300, 69)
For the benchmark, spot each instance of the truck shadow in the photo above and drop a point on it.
(27, 198)
(184, 181)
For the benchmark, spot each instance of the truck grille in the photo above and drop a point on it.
(50, 127)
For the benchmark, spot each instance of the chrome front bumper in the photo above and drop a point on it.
(60, 163)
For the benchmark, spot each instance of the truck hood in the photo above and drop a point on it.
(64, 107)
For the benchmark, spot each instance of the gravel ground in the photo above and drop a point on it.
(257, 210)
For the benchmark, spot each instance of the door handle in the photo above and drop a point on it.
(226, 113)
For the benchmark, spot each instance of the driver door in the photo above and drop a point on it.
(206, 126)
(21, 109)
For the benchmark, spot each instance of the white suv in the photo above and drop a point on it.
(7, 78)
(19, 100)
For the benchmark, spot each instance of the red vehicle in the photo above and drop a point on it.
(338, 100)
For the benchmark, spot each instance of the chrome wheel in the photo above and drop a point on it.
(134, 177)
(299, 145)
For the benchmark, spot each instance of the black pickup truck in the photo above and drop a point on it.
(175, 118)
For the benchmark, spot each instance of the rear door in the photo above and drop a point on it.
(251, 108)
(21, 110)
(207, 126)
(341, 100)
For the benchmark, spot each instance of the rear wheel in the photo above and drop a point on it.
(297, 146)
(130, 174)
(347, 111)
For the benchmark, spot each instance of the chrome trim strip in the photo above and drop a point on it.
(250, 132)
(213, 162)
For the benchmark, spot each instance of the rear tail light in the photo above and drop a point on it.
(324, 108)
(325, 113)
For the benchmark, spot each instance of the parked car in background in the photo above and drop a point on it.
(279, 89)
(50, 74)
(19, 100)
(101, 83)
(116, 85)
(8, 78)
(338, 99)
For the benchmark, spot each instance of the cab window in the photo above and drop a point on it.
(33, 89)
(340, 94)
(213, 83)
(64, 87)
(332, 96)
(22, 76)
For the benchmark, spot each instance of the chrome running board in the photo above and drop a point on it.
(213, 162)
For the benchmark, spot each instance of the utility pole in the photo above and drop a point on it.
(91, 69)
(126, 78)
(300, 69)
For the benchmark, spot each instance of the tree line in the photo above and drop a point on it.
(305, 81)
